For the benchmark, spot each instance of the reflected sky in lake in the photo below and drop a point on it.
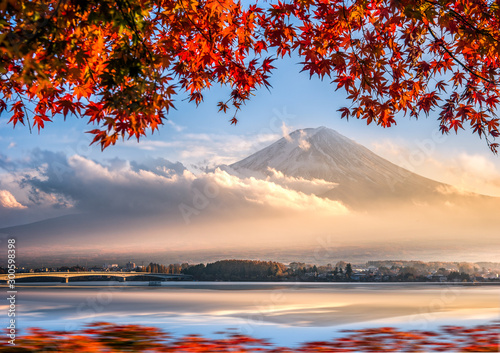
(285, 313)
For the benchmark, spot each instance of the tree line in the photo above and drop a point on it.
(237, 270)
(157, 268)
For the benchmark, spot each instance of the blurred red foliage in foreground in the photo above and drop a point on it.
(106, 337)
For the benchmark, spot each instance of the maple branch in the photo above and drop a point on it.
(133, 25)
(224, 55)
(456, 60)
(209, 39)
(25, 111)
(194, 24)
(350, 34)
(24, 105)
(464, 20)
(35, 34)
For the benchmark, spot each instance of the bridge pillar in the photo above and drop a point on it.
(124, 279)
(65, 280)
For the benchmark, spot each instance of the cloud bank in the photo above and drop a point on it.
(77, 184)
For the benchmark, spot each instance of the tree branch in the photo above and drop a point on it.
(458, 61)
(464, 21)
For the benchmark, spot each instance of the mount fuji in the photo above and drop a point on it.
(362, 177)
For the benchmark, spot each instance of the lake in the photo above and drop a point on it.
(285, 313)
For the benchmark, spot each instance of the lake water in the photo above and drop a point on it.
(285, 313)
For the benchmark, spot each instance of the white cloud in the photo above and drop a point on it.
(303, 143)
(197, 152)
(8, 200)
(314, 186)
(207, 149)
(453, 190)
(11, 145)
(285, 131)
(199, 137)
(176, 127)
(151, 145)
(223, 148)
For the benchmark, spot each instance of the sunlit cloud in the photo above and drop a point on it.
(8, 200)
(308, 186)
(453, 190)
(269, 193)
(466, 172)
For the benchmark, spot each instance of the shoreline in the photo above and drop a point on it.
(234, 285)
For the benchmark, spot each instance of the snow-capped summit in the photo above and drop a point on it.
(323, 153)
(320, 153)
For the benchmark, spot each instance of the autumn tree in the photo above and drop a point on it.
(120, 64)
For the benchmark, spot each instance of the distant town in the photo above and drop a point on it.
(251, 270)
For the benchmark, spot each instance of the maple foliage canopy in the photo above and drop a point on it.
(120, 64)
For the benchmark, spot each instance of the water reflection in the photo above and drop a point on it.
(266, 310)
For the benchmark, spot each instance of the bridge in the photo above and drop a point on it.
(122, 276)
